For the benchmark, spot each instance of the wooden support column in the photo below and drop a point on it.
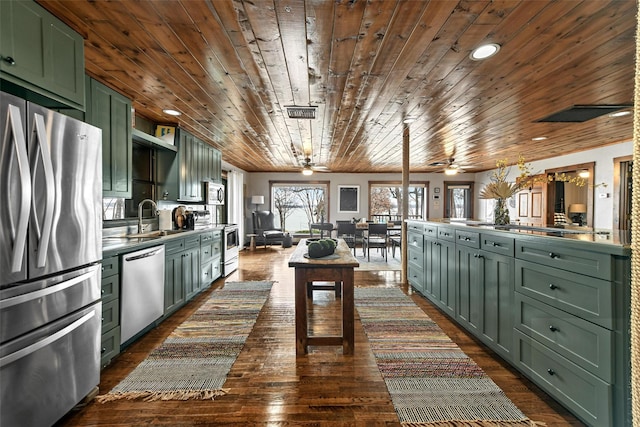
(405, 199)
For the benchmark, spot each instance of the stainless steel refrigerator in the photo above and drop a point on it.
(50, 253)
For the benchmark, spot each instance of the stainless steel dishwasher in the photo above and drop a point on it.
(142, 298)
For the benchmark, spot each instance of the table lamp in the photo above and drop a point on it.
(257, 200)
(577, 210)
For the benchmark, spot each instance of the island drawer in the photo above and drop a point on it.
(415, 257)
(415, 240)
(497, 244)
(446, 233)
(430, 230)
(584, 296)
(110, 266)
(415, 276)
(416, 227)
(566, 257)
(585, 394)
(110, 288)
(468, 238)
(585, 344)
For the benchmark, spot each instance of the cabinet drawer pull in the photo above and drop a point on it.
(553, 328)
(551, 371)
(9, 60)
(478, 256)
(467, 239)
(552, 286)
(553, 256)
(494, 244)
(103, 350)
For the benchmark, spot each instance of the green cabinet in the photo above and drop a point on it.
(181, 176)
(439, 269)
(210, 257)
(496, 301)
(41, 53)
(182, 272)
(468, 286)
(111, 112)
(556, 309)
(110, 339)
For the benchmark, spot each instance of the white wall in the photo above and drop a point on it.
(603, 158)
(258, 184)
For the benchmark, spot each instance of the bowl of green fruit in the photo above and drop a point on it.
(321, 248)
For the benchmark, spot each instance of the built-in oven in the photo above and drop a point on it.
(230, 244)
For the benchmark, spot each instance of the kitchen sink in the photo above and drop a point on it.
(154, 234)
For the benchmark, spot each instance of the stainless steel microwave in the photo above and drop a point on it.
(214, 193)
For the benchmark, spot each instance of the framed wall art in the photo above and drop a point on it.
(348, 198)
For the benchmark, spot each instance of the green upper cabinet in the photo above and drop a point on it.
(41, 53)
(196, 162)
(111, 112)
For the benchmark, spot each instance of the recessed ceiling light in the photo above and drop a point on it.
(408, 120)
(620, 113)
(539, 138)
(484, 51)
(172, 112)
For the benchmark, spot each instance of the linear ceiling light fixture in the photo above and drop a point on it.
(582, 113)
(299, 112)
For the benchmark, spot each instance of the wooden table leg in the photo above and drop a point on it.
(301, 312)
(347, 312)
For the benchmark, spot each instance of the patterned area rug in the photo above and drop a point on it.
(193, 362)
(378, 263)
(430, 380)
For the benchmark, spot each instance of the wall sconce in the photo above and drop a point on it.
(257, 200)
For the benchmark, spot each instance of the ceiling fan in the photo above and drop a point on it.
(308, 168)
(451, 167)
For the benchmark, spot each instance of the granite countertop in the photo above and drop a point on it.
(113, 245)
(616, 238)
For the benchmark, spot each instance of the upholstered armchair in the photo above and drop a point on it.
(264, 228)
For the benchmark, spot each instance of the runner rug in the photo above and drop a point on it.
(430, 380)
(194, 360)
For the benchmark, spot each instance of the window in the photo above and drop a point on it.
(458, 199)
(298, 203)
(385, 200)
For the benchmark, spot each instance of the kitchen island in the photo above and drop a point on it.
(552, 302)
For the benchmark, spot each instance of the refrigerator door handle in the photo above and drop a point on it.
(19, 233)
(20, 299)
(43, 234)
(10, 358)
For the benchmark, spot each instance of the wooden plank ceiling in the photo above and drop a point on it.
(233, 66)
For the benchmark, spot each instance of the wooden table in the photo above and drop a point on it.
(339, 269)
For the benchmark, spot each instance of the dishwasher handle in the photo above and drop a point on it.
(144, 255)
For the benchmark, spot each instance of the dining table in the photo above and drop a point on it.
(337, 267)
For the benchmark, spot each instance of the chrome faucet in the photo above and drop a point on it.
(155, 212)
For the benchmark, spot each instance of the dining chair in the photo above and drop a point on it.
(322, 227)
(347, 232)
(376, 238)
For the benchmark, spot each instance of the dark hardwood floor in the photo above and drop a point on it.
(268, 385)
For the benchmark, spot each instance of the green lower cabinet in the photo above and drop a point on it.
(110, 297)
(468, 283)
(443, 277)
(191, 272)
(174, 292)
(496, 299)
